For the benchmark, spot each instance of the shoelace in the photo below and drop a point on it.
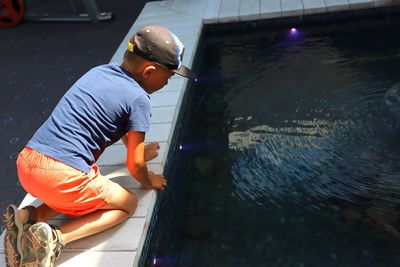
(8, 220)
(58, 241)
(11, 255)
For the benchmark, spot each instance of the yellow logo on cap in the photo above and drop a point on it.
(130, 47)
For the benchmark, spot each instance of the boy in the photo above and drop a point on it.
(58, 164)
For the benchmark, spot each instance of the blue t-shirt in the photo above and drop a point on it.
(94, 113)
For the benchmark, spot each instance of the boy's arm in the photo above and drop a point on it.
(136, 163)
(124, 139)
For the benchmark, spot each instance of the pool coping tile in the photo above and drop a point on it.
(292, 8)
(314, 6)
(249, 10)
(336, 5)
(85, 258)
(270, 9)
(360, 4)
(212, 11)
(229, 11)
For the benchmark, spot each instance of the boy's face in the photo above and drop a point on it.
(158, 79)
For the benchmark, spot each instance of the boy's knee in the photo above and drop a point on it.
(132, 204)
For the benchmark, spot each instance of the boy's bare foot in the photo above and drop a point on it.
(150, 151)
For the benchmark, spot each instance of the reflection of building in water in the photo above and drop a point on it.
(319, 159)
(285, 161)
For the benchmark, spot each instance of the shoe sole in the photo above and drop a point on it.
(12, 210)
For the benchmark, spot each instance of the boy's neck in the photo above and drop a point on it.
(131, 73)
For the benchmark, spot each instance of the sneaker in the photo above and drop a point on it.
(38, 246)
(14, 230)
(59, 243)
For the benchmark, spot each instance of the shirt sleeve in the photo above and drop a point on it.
(139, 117)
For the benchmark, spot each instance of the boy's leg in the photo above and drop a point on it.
(42, 213)
(121, 206)
(43, 244)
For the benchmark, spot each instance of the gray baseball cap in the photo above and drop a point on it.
(159, 45)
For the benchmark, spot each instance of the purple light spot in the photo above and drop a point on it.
(294, 34)
(155, 261)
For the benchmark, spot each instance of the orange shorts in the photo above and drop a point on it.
(61, 187)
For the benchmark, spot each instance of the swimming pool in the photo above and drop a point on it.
(283, 156)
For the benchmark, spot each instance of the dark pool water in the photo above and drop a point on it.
(288, 152)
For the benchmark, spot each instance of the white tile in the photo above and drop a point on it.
(212, 11)
(159, 132)
(29, 200)
(113, 155)
(164, 3)
(188, 60)
(154, 9)
(114, 172)
(314, 6)
(336, 5)
(190, 50)
(95, 258)
(144, 196)
(185, 33)
(190, 42)
(176, 20)
(162, 114)
(379, 3)
(359, 4)
(197, 8)
(249, 10)
(156, 167)
(270, 9)
(180, 5)
(121, 175)
(163, 98)
(141, 211)
(113, 239)
(175, 83)
(292, 7)
(2, 242)
(229, 11)
(2, 258)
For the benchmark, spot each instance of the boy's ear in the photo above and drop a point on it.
(147, 71)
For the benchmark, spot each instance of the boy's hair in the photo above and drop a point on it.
(133, 59)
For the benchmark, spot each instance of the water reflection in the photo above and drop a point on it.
(352, 158)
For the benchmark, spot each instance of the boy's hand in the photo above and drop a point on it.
(150, 151)
(158, 181)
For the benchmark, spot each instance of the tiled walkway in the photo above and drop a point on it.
(121, 246)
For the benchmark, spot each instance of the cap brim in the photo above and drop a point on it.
(185, 72)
